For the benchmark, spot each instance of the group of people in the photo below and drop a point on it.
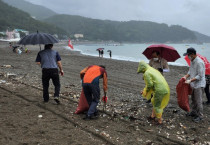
(195, 77)
(18, 50)
(156, 89)
(101, 53)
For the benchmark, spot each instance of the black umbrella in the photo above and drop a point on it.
(38, 38)
(109, 51)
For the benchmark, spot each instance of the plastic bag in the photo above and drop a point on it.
(83, 104)
(183, 90)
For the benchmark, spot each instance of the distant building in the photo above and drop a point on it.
(78, 36)
(15, 33)
(11, 34)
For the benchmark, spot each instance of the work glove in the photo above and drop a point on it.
(188, 81)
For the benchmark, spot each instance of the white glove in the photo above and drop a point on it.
(166, 70)
(188, 81)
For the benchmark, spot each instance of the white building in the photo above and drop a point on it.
(78, 36)
(15, 33)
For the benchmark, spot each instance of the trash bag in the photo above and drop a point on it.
(83, 104)
(156, 85)
(183, 90)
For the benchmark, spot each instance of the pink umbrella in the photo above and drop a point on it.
(167, 52)
(206, 62)
(99, 49)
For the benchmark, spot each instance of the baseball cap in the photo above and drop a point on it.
(190, 51)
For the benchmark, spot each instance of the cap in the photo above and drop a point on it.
(190, 51)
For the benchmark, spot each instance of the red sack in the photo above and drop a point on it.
(183, 90)
(83, 104)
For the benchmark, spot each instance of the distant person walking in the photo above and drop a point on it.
(90, 82)
(197, 82)
(110, 53)
(99, 53)
(102, 53)
(50, 60)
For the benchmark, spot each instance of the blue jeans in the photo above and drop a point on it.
(92, 94)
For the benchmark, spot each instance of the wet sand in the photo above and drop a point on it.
(125, 120)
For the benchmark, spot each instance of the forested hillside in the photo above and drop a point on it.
(11, 18)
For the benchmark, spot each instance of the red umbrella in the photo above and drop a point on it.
(99, 49)
(206, 62)
(167, 52)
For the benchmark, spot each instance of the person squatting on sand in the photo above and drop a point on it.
(197, 82)
(50, 60)
(90, 82)
(156, 85)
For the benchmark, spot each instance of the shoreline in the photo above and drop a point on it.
(126, 114)
(81, 42)
(118, 57)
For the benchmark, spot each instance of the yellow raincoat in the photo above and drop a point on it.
(156, 85)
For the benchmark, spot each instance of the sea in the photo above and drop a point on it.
(133, 52)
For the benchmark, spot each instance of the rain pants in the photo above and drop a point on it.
(156, 85)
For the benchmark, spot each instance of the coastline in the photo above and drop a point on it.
(120, 58)
(126, 113)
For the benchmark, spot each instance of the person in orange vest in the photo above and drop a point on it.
(90, 82)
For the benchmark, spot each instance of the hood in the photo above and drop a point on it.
(143, 66)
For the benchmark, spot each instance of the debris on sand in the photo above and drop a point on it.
(105, 134)
(40, 116)
(10, 75)
(6, 66)
(2, 81)
(1, 74)
(149, 130)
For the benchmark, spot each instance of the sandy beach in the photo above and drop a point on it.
(25, 119)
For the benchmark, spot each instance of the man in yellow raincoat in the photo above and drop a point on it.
(156, 85)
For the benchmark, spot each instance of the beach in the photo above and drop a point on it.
(25, 119)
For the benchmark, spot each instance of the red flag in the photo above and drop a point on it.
(70, 44)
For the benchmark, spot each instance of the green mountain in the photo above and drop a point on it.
(201, 38)
(131, 31)
(12, 18)
(94, 29)
(36, 11)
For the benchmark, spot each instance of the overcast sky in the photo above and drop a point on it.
(193, 14)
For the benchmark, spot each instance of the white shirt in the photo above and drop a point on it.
(197, 70)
